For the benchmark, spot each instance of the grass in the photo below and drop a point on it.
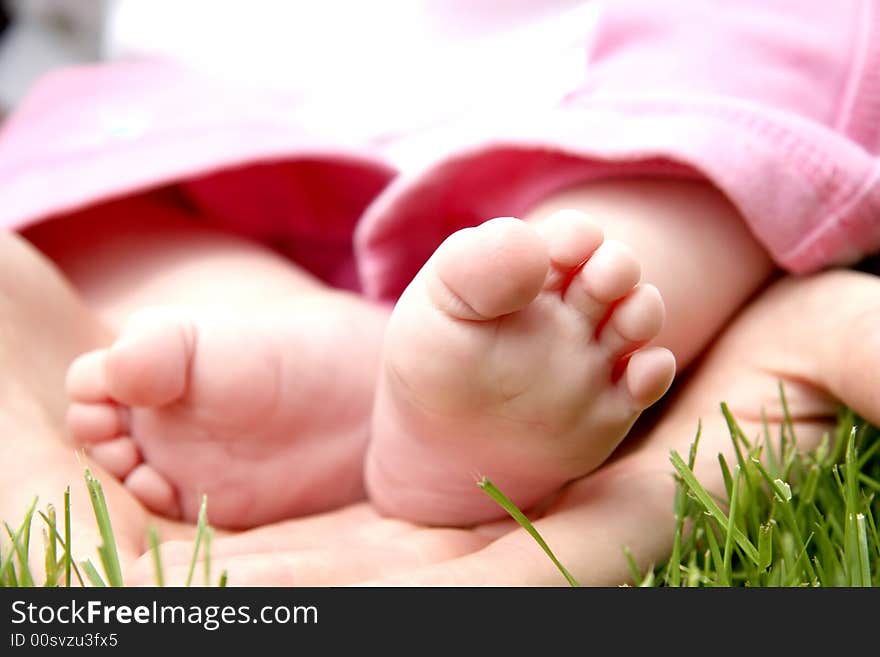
(60, 564)
(786, 518)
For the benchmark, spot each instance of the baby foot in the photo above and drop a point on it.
(250, 413)
(517, 353)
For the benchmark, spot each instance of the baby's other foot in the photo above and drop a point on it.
(518, 352)
(249, 412)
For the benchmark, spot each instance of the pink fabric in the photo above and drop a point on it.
(91, 134)
(776, 103)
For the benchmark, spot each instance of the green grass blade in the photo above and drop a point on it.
(12, 579)
(738, 439)
(868, 481)
(717, 562)
(25, 553)
(23, 577)
(736, 433)
(875, 537)
(731, 525)
(24, 556)
(851, 477)
(851, 557)
(5, 568)
(725, 473)
(92, 573)
(223, 579)
(153, 539)
(19, 549)
(803, 555)
(201, 530)
(868, 454)
(209, 538)
(673, 568)
(66, 554)
(765, 546)
(711, 507)
(708, 567)
(504, 502)
(51, 546)
(783, 494)
(820, 571)
(692, 571)
(809, 487)
(863, 558)
(672, 576)
(845, 427)
(828, 553)
(633, 567)
(855, 541)
(107, 550)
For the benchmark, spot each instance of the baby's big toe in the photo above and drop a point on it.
(85, 377)
(148, 365)
(488, 271)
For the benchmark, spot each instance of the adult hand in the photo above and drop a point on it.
(43, 326)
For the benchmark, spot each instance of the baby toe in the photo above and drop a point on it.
(94, 423)
(607, 276)
(148, 366)
(118, 456)
(153, 490)
(633, 322)
(648, 375)
(571, 237)
(85, 380)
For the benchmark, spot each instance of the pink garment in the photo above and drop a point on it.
(776, 103)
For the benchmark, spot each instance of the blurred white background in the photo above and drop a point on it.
(402, 65)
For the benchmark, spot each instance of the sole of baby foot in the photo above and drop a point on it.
(517, 353)
(249, 413)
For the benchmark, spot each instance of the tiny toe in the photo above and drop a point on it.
(608, 275)
(93, 423)
(118, 457)
(153, 490)
(571, 237)
(649, 374)
(633, 322)
(148, 365)
(85, 377)
(488, 271)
